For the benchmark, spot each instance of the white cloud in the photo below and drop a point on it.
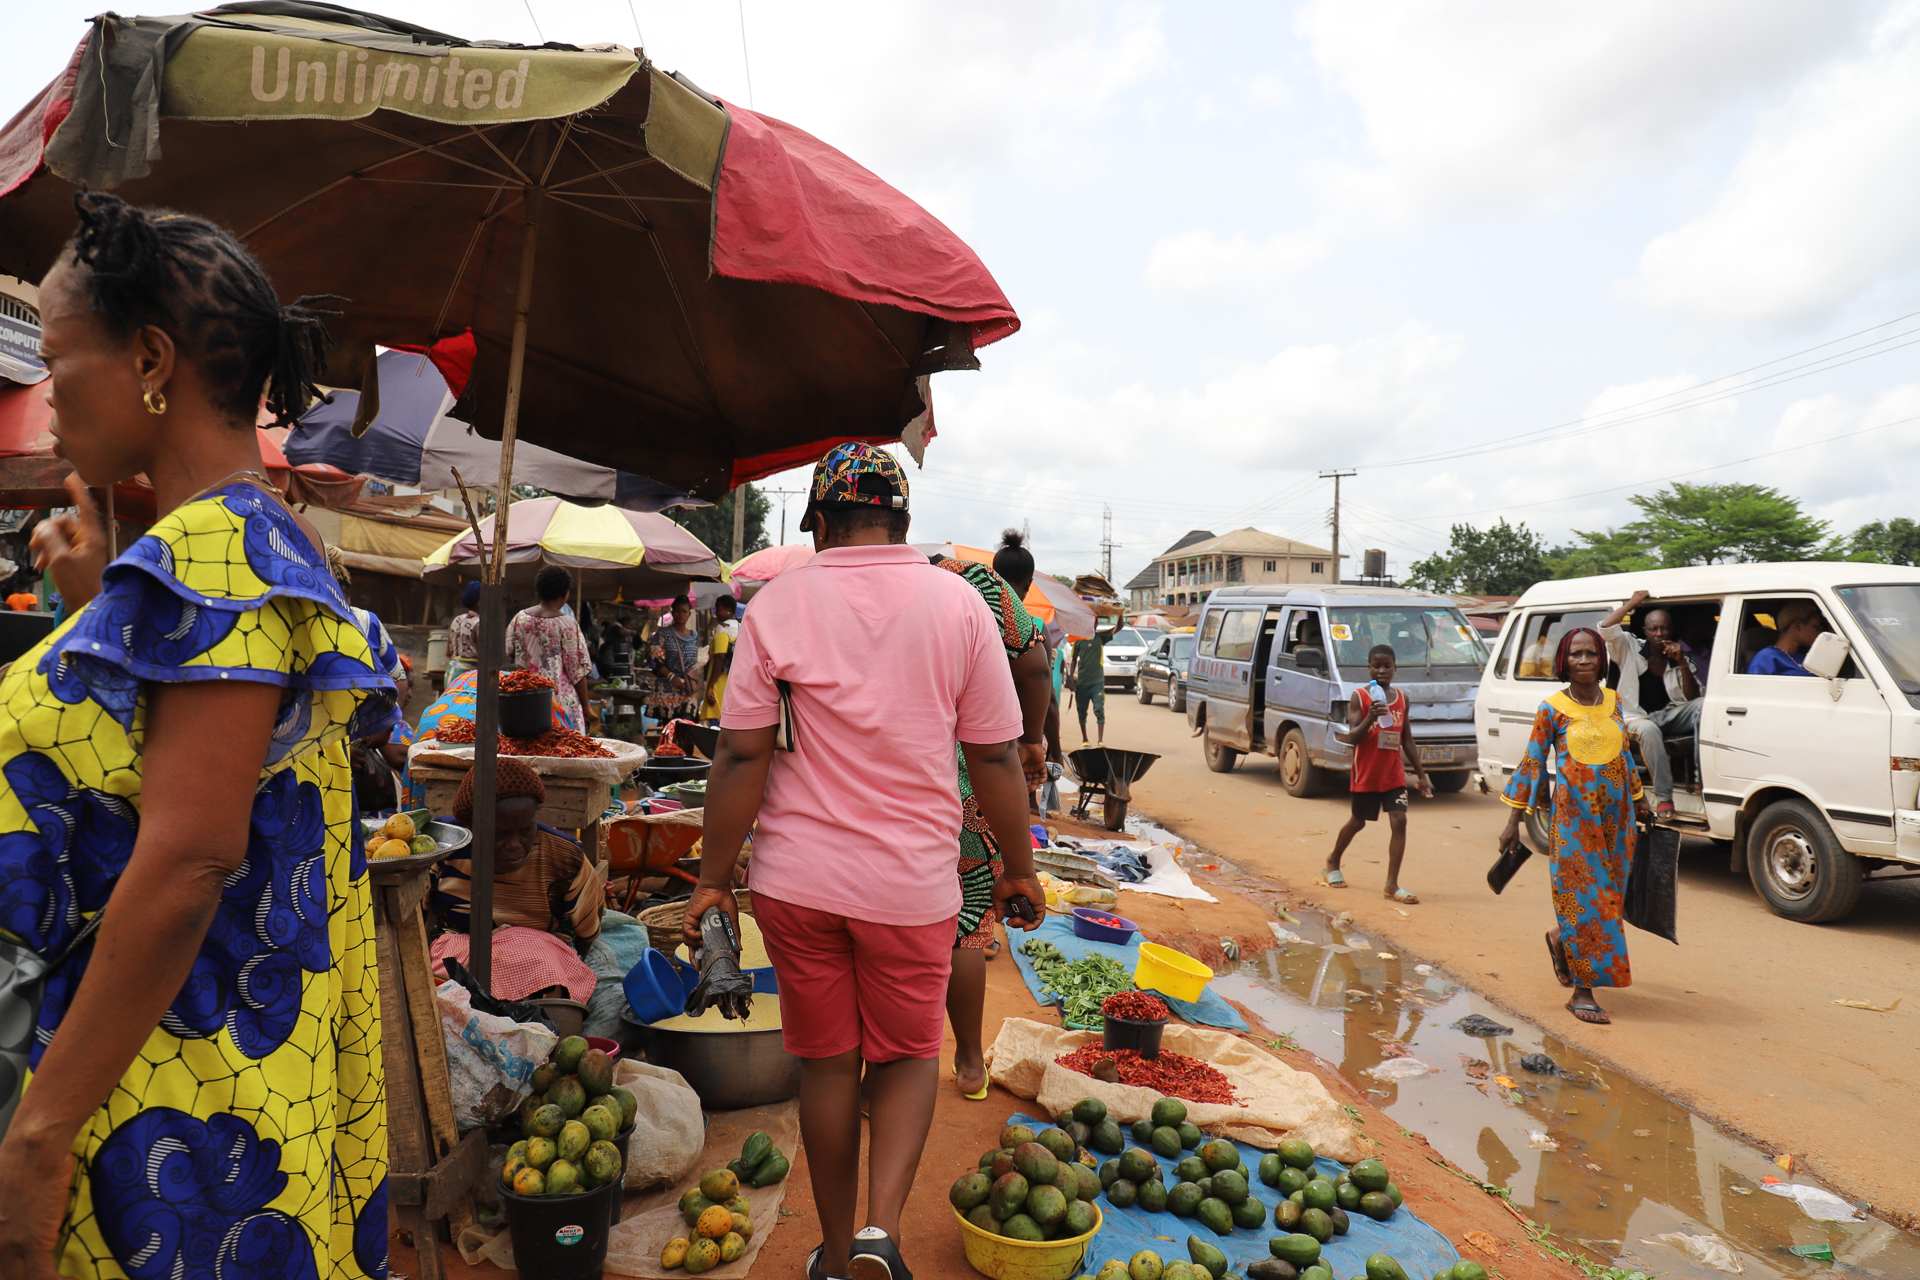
(1823, 205)
(1496, 103)
(1202, 262)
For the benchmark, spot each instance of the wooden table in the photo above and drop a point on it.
(430, 1167)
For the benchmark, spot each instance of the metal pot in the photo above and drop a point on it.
(728, 1069)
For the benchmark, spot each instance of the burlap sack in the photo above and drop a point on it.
(1280, 1101)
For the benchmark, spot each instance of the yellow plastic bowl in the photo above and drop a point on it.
(1164, 969)
(999, 1258)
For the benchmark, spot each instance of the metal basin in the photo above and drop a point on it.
(728, 1069)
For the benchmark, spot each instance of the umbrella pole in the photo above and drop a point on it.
(493, 608)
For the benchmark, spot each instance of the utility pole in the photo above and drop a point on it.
(739, 523)
(783, 495)
(1107, 543)
(1335, 477)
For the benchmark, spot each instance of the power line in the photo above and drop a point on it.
(640, 41)
(536, 23)
(746, 62)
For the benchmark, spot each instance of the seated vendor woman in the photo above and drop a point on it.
(546, 895)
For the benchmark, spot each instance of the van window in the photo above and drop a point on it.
(1760, 627)
(1505, 659)
(1890, 616)
(1303, 629)
(1237, 635)
(1208, 630)
(1421, 636)
(1540, 640)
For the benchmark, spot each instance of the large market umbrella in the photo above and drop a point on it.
(414, 439)
(604, 546)
(1047, 599)
(719, 294)
(768, 563)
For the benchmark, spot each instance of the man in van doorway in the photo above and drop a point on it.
(1660, 684)
(1377, 727)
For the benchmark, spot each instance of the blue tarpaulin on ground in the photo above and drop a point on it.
(1208, 1011)
(1419, 1248)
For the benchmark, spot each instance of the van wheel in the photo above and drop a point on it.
(1140, 690)
(1298, 773)
(1799, 867)
(1446, 784)
(1220, 759)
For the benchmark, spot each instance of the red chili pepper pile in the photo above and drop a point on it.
(567, 744)
(523, 681)
(1140, 1006)
(1173, 1074)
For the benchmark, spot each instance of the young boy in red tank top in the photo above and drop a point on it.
(1377, 728)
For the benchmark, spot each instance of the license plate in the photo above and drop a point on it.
(1436, 755)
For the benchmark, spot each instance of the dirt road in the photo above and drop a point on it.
(1738, 1022)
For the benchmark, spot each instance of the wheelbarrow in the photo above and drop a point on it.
(651, 845)
(1107, 772)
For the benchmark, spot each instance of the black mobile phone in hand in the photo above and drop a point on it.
(1018, 905)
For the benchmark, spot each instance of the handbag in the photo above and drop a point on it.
(23, 985)
(1511, 859)
(1653, 883)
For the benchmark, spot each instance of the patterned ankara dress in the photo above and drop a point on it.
(248, 1138)
(1592, 826)
(555, 648)
(980, 863)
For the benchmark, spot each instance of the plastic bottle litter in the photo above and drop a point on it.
(1711, 1250)
(1818, 1203)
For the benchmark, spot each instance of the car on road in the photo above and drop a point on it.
(1274, 667)
(1163, 670)
(1122, 654)
(1812, 783)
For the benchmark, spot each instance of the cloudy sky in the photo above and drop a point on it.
(1502, 258)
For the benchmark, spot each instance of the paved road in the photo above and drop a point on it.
(1738, 1022)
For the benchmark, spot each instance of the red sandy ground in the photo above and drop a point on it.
(962, 1129)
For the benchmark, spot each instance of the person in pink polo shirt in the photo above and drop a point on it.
(886, 661)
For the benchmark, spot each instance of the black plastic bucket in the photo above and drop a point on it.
(1131, 1033)
(527, 714)
(619, 1200)
(561, 1237)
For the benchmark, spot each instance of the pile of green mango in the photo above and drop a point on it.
(1204, 1262)
(570, 1120)
(1033, 1186)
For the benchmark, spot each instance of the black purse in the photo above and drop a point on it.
(1653, 883)
(23, 985)
(1511, 859)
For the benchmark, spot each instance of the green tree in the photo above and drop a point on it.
(1614, 551)
(1725, 524)
(1500, 560)
(1895, 541)
(714, 525)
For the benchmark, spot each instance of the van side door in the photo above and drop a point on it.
(1230, 675)
(1305, 694)
(1200, 681)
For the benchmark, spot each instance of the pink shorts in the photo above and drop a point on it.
(852, 984)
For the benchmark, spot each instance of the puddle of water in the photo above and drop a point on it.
(1599, 1158)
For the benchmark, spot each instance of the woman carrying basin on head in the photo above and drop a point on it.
(1594, 804)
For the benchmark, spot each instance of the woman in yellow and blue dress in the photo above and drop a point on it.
(1595, 799)
(176, 830)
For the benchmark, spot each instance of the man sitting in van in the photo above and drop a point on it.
(1799, 624)
(1659, 691)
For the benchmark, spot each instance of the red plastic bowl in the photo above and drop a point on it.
(609, 1047)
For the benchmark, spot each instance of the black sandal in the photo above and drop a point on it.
(1560, 969)
(1589, 1012)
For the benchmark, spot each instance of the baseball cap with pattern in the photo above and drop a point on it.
(859, 473)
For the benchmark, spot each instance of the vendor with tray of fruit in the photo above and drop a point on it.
(547, 895)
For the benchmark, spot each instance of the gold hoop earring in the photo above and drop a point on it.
(155, 401)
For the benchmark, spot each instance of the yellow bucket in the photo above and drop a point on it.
(999, 1258)
(1166, 970)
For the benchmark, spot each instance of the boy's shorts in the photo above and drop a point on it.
(853, 984)
(1368, 804)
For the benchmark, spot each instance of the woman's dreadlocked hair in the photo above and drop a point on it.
(192, 279)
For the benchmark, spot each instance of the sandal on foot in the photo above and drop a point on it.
(1333, 879)
(1402, 896)
(992, 949)
(814, 1270)
(1589, 1012)
(1560, 971)
(986, 1083)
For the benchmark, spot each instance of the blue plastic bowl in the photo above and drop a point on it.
(1085, 926)
(764, 983)
(653, 988)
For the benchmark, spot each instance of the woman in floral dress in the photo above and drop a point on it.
(1595, 799)
(546, 640)
(176, 829)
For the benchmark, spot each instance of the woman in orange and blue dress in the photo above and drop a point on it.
(1595, 799)
(204, 1089)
